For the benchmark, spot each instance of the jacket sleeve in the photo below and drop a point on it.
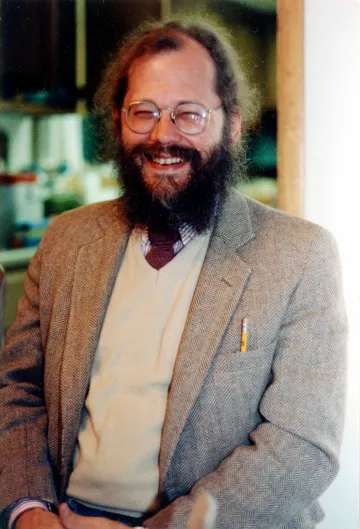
(24, 466)
(294, 452)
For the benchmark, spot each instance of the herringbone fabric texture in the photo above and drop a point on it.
(259, 430)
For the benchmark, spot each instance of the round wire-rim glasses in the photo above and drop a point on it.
(190, 118)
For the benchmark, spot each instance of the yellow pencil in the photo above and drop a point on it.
(244, 335)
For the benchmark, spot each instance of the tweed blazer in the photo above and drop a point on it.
(259, 430)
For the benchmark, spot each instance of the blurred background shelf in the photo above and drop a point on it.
(31, 109)
(16, 258)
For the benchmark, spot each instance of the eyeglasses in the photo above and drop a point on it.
(190, 118)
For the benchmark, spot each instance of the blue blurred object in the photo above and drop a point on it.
(28, 234)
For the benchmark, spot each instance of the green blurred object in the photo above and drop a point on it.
(61, 202)
(92, 137)
(262, 189)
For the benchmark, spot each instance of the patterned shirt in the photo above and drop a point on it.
(187, 233)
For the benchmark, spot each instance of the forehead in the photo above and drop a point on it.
(187, 74)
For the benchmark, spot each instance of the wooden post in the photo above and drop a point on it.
(165, 8)
(290, 104)
(80, 51)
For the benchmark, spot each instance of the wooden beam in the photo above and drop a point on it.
(165, 8)
(80, 51)
(290, 104)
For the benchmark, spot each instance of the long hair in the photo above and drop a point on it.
(157, 37)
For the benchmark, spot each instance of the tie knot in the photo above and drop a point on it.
(161, 247)
(160, 238)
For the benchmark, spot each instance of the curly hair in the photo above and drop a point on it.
(157, 37)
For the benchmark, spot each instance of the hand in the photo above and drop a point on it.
(38, 519)
(70, 520)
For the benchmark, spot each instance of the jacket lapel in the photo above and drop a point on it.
(94, 276)
(221, 282)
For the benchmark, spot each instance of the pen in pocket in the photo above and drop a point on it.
(244, 335)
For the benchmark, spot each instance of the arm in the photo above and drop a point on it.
(38, 519)
(16, 509)
(294, 453)
(24, 467)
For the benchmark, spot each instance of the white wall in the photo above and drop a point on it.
(60, 138)
(19, 130)
(332, 197)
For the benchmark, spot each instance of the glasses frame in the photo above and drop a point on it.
(209, 111)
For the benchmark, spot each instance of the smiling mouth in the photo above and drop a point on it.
(164, 161)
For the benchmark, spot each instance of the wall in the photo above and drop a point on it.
(19, 130)
(332, 197)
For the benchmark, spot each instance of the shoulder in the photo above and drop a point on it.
(87, 223)
(281, 242)
(284, 230)
(88, 215)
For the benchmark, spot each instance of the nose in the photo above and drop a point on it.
(165, 130)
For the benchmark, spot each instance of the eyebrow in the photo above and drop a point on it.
(182, 102)
(189, 102)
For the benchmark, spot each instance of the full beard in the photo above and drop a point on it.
(195, 204)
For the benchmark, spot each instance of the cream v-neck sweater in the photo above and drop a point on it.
(116, 463)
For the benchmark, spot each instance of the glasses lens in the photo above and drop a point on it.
(191, 118)
(142, 117)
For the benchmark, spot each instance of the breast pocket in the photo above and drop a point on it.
(235, 362)
(237, 384)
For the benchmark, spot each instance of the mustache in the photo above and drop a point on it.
(174, 151)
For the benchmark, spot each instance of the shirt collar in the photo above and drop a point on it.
(186, 231)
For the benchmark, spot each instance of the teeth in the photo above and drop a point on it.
(167, 161)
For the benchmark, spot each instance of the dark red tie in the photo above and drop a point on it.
(162, 248)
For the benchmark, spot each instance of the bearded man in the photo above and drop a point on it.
(182, 339)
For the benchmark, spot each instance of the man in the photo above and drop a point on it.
(181, 340)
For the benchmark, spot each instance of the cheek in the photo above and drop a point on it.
(129, 138)
(207, 145)
(211, 136)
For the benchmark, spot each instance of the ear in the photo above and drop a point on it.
(235, 126)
